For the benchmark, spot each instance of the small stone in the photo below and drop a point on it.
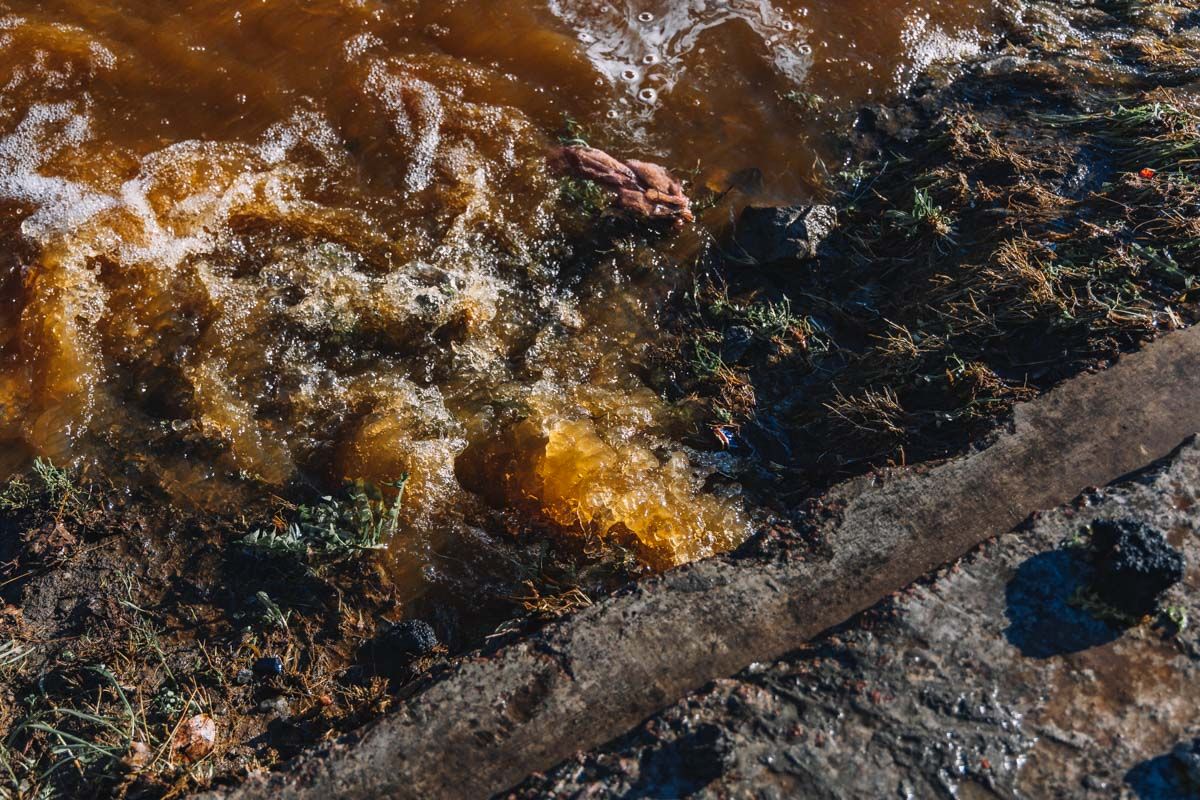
(243, 677)
(276, 706)
(138, 757)
(1136, 564)
(1187, 755)
(195, 738)
(268, 667)
(782, 234)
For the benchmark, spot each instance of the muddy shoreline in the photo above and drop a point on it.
(1018, 220)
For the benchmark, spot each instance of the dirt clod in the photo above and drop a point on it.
(402, 643)
(1136, 564)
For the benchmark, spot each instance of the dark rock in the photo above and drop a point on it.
(880, 119)
(268, 667)
(769, 439)
(1136, 564)
(686, 765)
(401, 644)
(1187, 755)
(777, 234)
(737, 341)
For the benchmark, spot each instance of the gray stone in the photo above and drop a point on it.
(782, 234)
(276, 707)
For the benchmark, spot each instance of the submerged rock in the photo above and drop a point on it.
(1136, 564)
(778, 234)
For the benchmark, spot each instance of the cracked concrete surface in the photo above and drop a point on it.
(992, 679)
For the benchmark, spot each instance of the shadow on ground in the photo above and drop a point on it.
(1043, 621)
(1161, 778)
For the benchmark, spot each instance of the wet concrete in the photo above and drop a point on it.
(495, 719)
(996, 678)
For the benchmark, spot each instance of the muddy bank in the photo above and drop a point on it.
(583, 681)
(1006, 228)
(1016, 222)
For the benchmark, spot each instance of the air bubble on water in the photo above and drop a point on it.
(647, 95)
(806, 49)
(650, 59)
(42, 135)
(613, 113)
(586, 37)
(645, 16)
(630, 75)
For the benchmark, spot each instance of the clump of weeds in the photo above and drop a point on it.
(335, 528)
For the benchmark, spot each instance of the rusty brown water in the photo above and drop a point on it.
(254, 246)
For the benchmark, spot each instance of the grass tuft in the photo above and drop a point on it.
(335, 528)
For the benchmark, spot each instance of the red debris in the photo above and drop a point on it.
(1148, 173)
(642, 188)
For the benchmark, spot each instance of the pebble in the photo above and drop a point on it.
(276, 706)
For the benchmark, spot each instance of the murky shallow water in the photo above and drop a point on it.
(289, 243)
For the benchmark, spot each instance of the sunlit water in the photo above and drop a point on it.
(260, 246)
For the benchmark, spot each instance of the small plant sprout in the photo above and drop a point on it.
(270, 612)
(48, 486)
(335, 528)
(925, 215)
(1178, 616)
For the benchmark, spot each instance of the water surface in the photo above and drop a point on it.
(267, 246)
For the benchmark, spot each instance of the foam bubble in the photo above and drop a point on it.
(417, 117)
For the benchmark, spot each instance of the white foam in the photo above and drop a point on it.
(61, 204)
(929, 44)
(416, 114)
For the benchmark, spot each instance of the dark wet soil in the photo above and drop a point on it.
(1001, 231)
